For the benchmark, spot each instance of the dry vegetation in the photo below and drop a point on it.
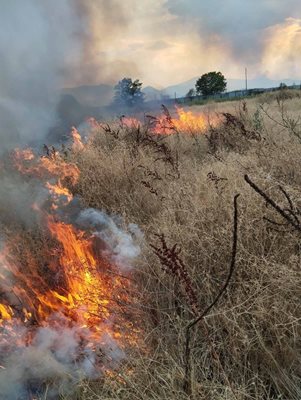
(182, 187)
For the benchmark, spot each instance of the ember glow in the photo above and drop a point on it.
(64, 291)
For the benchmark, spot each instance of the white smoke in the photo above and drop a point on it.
(38, 44)
(58, 356)
(17, 198)
(121, 247)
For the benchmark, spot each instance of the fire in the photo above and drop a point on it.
(130, 122)
(5, 311)
(93, 123)
(185, 122)
(59, 192)
(77, 140)
(51, 165)
(88, 287)
(70, 282)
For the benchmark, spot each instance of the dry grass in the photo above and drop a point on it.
(248, 347)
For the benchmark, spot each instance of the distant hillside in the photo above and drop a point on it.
(95, 95)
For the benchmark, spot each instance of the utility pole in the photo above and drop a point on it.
(246, 77)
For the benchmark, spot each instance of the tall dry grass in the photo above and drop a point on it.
(248, 346)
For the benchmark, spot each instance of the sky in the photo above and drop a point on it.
(60, 43)
(163, 42)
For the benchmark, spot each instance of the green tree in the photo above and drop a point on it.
(128, 92)
(211, 83)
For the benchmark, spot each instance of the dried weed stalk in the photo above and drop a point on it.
(173, 265)
(290, 215)
(187, 353)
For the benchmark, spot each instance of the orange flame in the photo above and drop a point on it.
(86, 294)
(59, 192)
(74, 279)
(185, 122)
(46, 166)
(77, 140)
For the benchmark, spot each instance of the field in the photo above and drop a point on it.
(248, 345)
(211, 307)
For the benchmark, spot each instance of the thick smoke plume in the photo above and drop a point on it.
(243, 27)
(45, 46)
(37, 47)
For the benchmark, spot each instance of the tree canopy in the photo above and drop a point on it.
(128, 92)
(211, 83)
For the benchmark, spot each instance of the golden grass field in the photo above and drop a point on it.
(248, 345)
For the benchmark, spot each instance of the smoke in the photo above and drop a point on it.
(283, 49)
(61, 353)
(19, 198)
(37, 47)
(120, 247)
(240, 27)
(106, 22)
(45, 46)
(60, 356)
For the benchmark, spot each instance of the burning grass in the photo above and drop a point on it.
(65, 297)
(183, 121)
(178, 187)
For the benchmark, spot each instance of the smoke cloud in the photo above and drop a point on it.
(282, 50)
(242, 28)
(121, 247)
(57, 356)
(37, 46)
(45, 46)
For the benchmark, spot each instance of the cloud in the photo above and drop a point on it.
(159, 45)
(241, 25)
(282, 53)
(37, 48)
